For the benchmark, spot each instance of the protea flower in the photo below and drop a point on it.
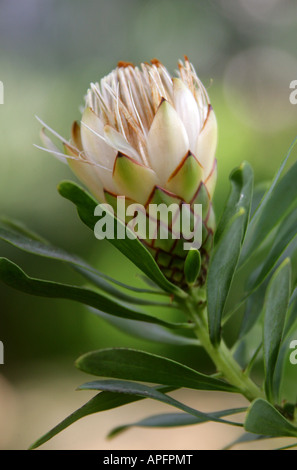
(151, 138)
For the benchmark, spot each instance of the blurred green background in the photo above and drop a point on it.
(245, 53)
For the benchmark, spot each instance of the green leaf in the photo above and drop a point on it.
(258, 193)
(285, 234)
(240, 197)
(246, 437)
(245, 349)
(192, 266)
(18, 235)
(19, 228)
(275, 309)
(101, 402)
(221, 271)
(285, 351)
(263, 418)
(132, 388)
(147, 331)
(289, 446)
(132, 248)
(253, 309)
(292, 313)
(130, 364)
(13, 276)
(106, 287)
(169, 420)
(275, 205)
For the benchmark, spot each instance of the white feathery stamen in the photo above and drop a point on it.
(126, 101)
(148, 111)
(94, 132)
(156, 73)
(64, 141)
(99, 96)
(59, 155)
(136, 112)
(156, 93)
(167, 81)
(155, 82)
(118, 112)
(63, 155)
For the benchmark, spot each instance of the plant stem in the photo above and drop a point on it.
(220, 355)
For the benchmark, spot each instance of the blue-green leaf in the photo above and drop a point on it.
(240, 197)
(275, 309)
(289, 335)
(101, 402)
(18, 235)
(285, 234)
(147, 331)
(141, 390)
(129, 364)
(13, 276)
(221, 271)
(246, 437)
(169, 420)
(105, 286)
(253, 309)
(275, 205)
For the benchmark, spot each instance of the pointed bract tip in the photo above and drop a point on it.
(163, 100)
(156, 62)
(124, 64)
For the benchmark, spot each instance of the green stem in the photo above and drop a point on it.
(220, 355)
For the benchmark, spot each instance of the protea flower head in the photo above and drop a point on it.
(151, 138)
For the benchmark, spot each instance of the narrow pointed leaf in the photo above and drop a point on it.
(258, 193)
(101, 402)
(289, 446)
(253, 309)
(221, 271)
(240, 197)
(147, 331)
(275, 205)
(129, 364)
(246, 437)
(170, 420)
(106, 287)
(133, 388)
(285, 351)
(286, 233)
(275, 309)
(13, 276)
(292, 313)
(20, 237)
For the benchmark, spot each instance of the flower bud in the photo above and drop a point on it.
(151, 138)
